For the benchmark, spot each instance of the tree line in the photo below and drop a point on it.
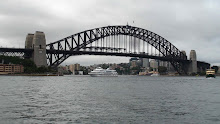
(29, 65)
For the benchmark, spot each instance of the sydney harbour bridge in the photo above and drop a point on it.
(121, 40)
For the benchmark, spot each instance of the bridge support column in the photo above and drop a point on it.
(28, 45)
(193, 64)
(39, 46)
(29, 41)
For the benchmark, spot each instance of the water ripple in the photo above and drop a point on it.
(125, 99)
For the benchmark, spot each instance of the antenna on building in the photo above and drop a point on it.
(133, 22)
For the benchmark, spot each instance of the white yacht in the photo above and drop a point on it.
(100, 72)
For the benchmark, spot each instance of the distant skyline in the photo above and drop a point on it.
(188, 24)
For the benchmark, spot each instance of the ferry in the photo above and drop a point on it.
(210, 73)
(100, 72)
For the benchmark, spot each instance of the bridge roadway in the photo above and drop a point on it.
(22, 50)
(29, 51)
(115, 54)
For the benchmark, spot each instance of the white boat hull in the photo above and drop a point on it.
(155, 75)
(102, 75)
(99, 72)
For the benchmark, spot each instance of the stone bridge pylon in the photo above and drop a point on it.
(37, 42)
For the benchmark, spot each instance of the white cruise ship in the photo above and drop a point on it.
(100, 72)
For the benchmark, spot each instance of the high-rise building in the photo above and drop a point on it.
(133, 63)
(145, 62)
(154, 64)
(113, 66)
(77, 67)
(72, 68)
(163, 63)
(167, 64)
(131, 59)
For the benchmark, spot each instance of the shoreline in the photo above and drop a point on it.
(31, 75)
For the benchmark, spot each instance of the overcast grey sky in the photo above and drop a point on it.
(188, 24)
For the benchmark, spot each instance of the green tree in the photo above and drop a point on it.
(29, 65)
(104, 66)
(42, 69)
(119, 71)
(162, 69)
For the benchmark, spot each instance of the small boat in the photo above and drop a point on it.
(145, 73)
(100, 72)
(155, 74)
(151, 73)
(210, 73)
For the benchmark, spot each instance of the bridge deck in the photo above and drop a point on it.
(115, 54)
(15, 50)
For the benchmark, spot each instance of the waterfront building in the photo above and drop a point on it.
(62, 70)
(154, 64)
(113, 66)
(72, 68)
(133, 59)
(77, 67)
(163, 63)
(139, 62)
(145, 62)
(11, 68)
(133, 64)
(168, 65)
(67, 68)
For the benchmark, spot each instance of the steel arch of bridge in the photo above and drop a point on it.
(80, 43)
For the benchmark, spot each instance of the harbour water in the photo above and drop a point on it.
(123, 99)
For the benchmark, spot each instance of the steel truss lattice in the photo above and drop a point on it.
(93, 42)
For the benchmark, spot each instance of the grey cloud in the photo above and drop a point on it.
(185, 23)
